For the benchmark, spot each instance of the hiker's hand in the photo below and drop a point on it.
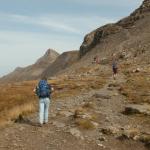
(52, 89)
(34, 90)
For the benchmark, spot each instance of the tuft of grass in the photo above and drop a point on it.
(85, 123)
(85, 117)
(136, 89)
(23, 110)
(88, 105)
(16, 99)
(78, 112)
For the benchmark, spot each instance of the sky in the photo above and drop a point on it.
(29, 27)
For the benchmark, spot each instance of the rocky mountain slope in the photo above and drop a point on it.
(34, 71)
(129, 37)
(64, 61)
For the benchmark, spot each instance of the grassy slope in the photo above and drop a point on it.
(19, 98)
(137, 87)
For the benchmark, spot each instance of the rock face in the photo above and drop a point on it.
(128, 37)
(33, 71)
(65, 60)
(95, 37)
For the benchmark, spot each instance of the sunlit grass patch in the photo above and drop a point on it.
(19, 99)
(85, 123)
(137, 87)
(16, 99)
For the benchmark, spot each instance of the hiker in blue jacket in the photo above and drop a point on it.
(43, 91)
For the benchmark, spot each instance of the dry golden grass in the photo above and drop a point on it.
(85, 124)
(88, 105)
(16, 99)
(137, 87)
(85, 117)
(19, 99)
(68, 88)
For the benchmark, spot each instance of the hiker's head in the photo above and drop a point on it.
(44, 78)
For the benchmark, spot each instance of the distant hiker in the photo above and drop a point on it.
(114, 68)
(96, 60)
(43, 91)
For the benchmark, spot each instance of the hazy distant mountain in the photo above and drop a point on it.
(33, 71)
(62, 62)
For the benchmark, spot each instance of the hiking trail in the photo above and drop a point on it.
(61, 133)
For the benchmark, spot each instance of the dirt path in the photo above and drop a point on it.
(61, 133)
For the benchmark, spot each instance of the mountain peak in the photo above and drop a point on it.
(51, 52)
(50, 55)
(33, 71)
(145, 7)
(146, 3)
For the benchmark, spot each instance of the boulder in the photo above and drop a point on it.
(66, 113)
(58, 124)
(75, 132)
(137, 109)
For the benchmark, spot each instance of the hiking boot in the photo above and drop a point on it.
(40, 125)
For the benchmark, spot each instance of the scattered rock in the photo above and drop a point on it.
(95, 124)
(131, 133)
(102, 139)
(110, 130)
(113, 85)
(115, 94)
(145, 138)
(136, 138)
(58, 124)
(75, 132)
(53, 115)
(81, 113)
(21, 128)
(137, 109)
(58, 109)
(101, 145)
(102, 96)
(66, 113)
(110, 88)
(136, 70)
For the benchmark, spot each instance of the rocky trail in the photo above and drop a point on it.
(111, 128)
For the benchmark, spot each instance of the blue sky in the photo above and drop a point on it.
(29, 27)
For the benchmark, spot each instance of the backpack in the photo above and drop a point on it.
(43, 89)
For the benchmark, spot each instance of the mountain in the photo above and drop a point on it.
(128, 39)
(129, 36)
(34, 71)
(64, 61)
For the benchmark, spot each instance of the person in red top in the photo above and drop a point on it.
(96, 60)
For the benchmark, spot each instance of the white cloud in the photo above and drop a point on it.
(116, 3)
(73, 24)
(42, 21)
